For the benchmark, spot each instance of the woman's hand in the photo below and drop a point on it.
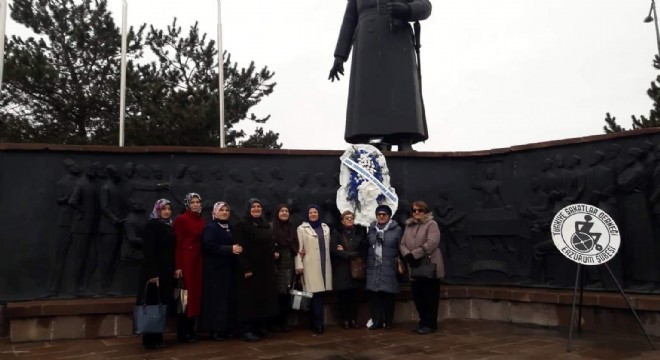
(276, 255)
(154, 281)
(299, 271)
(178, 274)
(302, 252)
(248, 275)
(236, 249)
(340, 248)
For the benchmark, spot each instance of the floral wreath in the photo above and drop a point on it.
(364, 183)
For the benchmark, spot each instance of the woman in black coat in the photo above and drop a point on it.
(219, 260)
(158, 265)
(348, 242)
(286, 249)
(256, 277)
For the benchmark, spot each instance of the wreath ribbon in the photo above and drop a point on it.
(346, 160)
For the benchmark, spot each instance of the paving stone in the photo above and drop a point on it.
(456, 339)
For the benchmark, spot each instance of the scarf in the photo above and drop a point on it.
(380, 238)
(158, 207)
(285, 234)
(315, 224)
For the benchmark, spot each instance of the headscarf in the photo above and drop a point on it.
(259, 222)
(217, 206)
(317, 223)
(285, 234)
(188, 199)
(158, 207)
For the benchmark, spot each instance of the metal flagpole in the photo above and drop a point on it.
(122, 86)
(221, 78)
(3, 22)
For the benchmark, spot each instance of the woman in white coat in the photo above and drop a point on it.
(314, 265)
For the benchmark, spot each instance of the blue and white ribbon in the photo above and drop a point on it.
(346, 160)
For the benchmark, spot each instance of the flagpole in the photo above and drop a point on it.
(122, 85)
(221, 77)
(3, 23)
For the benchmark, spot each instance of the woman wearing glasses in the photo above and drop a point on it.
(384, 237)
(347, 243)
(420, 243)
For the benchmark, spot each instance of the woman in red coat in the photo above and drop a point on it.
(188, 228)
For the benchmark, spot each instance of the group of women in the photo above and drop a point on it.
(238, 276)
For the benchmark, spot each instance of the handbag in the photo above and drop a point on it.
(358, 266)
(425, 270)
(358, 269)
(401, 269)
(180, 297)
(149, 319)
(300, 299)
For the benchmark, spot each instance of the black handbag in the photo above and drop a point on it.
(149, 319)
(425, 270)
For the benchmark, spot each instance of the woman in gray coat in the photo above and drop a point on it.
(384, 237)
(421, 240)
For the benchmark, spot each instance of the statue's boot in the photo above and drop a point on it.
(405, 145)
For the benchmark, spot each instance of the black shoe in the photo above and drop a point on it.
(416, 328)
(155, 346)
(425, 330)
(219, 336)
(188, 339)
(263, 333)
(346, 325)
(319, 330)
(375, 327)
(354, 324)
(249, 336)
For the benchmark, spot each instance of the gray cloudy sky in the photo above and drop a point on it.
(496, 73)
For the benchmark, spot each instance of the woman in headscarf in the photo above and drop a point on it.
(188, 228)
(314, 239)
(384, 237)
(256, 277)
(219, 255)
(158, 264)
(347, 243)
(286, 248)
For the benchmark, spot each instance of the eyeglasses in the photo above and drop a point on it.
(382, 214)
(417, 210)
(349, 218)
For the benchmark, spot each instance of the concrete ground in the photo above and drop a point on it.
(455, 339)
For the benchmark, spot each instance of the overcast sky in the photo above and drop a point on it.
(496, 73)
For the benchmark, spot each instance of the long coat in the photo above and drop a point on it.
(256, 295)
(188, 228)
(384, 96)
(158, 243)
(354, 243)
(382, 277)
(421, 239)
(311, 262)
(286, 263)
(218, 278)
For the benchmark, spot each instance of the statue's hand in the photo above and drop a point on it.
(398, 10)
(337, 68)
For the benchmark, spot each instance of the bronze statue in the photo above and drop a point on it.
(113, 212)
(384, 97)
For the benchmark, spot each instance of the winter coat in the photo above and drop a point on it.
(354, 243)
(383, 66)
(422, 238)
(218, 278)
(257, 294)
(188, 228)
(311, 262)
(158, 245)
(382, 277)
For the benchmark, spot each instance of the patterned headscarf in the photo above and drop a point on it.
(189, 198)
(158, 207)
(217, 206)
